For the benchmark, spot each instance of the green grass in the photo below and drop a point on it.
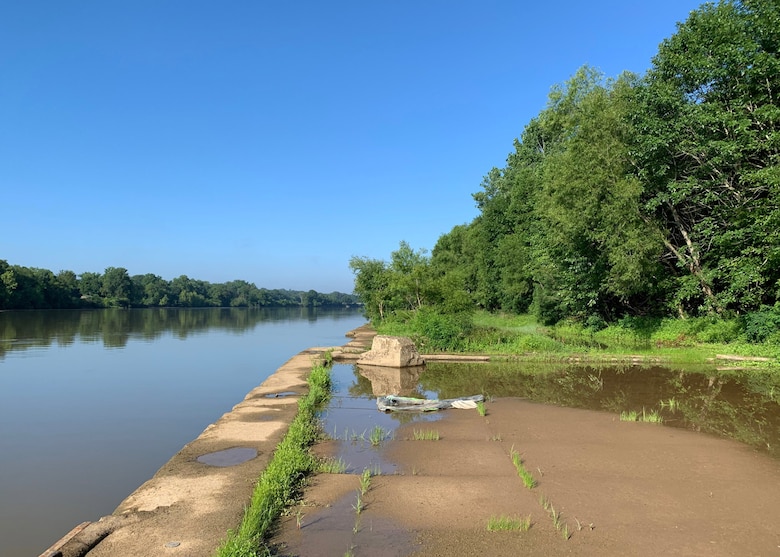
(332, 466)
(629, 416)
(653, 416)
(358, 506)
(508, 523)
(365, 481)
(528, 480)
(378, 435)
(281, 481)
(426, 435)
(481, 408)
(688, 341)
(671, 404)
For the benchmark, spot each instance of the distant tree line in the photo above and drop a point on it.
(33, 288)
(654, 195)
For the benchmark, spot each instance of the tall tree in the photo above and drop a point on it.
(708, 154)
(117, 285)
(372, 285)
(595, 239)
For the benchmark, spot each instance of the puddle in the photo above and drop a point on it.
(360, 433)
(279, 395)
(739, 404)
(352, 417)
(228, 457)
(337, 530)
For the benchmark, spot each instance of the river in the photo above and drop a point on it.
(93, 403)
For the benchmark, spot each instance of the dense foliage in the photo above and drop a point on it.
(32, 288)
(654, 195)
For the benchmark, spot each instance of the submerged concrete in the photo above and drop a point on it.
(188, 506)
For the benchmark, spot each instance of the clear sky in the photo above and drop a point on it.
(271, 141)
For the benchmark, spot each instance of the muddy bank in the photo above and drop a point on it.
(604, 487)
(188, 506)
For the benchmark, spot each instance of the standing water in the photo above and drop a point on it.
(93, 403)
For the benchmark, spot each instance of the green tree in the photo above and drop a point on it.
(8, 284)
(187, 292)
(90, 284)
(68, 283)
(599, 248)
(408, 275)
(116, 285)
(372, 285)
(154, 290)
(708, 154)
(453, 262)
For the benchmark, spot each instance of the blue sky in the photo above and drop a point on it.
(271, 141)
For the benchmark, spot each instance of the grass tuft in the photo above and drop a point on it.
(653, 416)
(528, 480)
(426, 435)
(332, 466)
(508, 523)
(377, 436)
(365, 481)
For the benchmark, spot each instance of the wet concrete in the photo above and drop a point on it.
(228, 457)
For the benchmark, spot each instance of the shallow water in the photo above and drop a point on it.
(352, 416)
(732, 403)
(739, 404)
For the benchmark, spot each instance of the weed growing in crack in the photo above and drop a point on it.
(508, 523)
(426, 435)
(528, 480)
(365, 481)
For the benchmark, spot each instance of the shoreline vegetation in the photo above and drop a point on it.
(637, 213)
(33, 288)
(283, 477)
(521, 337)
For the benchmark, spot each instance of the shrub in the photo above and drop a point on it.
(761, 324)
(442, 331)
(721, 330)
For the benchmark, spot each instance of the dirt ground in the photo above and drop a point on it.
(619, 488)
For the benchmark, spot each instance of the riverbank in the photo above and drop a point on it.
(602, 487)
(189, 505)
(583, 482)
(520, 338)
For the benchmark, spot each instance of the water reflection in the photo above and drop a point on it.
(24, 330)
(740, 404)
(391, 381)
(93, 402)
